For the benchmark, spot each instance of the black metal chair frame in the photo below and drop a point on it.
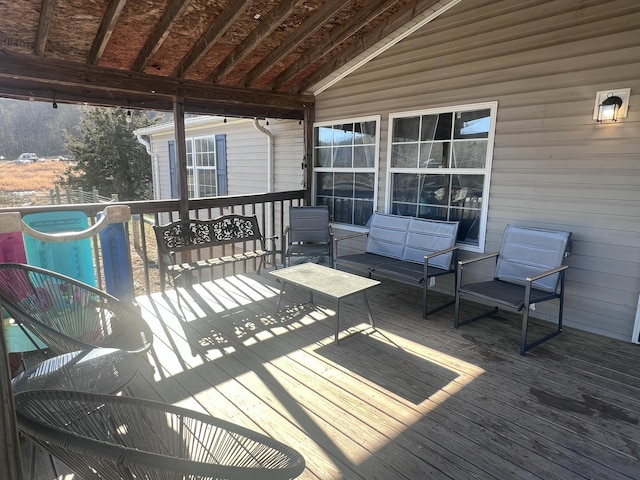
(106, 436)
(309, 233)
(68, 315)
(513, 296)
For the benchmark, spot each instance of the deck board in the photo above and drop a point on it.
(411, 399)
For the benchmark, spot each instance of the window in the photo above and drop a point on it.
(345, 158)
(206, 166)
(440, 164)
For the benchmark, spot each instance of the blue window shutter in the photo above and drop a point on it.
(172, 169)
(221, 163)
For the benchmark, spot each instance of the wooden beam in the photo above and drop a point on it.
(403, 16)
(268, 24)
(210, 37)
(304, 31)
(169, 18)
(335, 38)
(181, 156)
(78, 80)
(44, 23)
(105, 30)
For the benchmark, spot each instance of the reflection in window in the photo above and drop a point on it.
(345, 169)
(440, 164)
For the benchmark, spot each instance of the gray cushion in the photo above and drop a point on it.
(526, 252)
(425, 237)
(387, 235)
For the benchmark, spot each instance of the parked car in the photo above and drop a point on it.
(27, 158)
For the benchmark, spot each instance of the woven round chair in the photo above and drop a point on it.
(113, 437)
(68, 315)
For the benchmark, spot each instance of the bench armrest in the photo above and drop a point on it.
(346, 237)
(440, 252)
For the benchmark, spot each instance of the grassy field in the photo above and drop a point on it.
(28, 183)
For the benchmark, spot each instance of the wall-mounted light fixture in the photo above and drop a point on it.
(129, 118)
(611, 105)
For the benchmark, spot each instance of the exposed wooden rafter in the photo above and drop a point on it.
(217, 29)
(332, 41)
(44, 24)
(106, 29)
(268, 23)
(308, 28)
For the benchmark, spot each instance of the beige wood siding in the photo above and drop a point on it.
(247, 151)
(553, 166)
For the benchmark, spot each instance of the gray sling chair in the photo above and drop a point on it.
(309, 233)
(530, 269)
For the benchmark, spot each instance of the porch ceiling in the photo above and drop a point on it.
(229, 57)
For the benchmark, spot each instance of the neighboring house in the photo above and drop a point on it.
(485, 115)
(229, 156)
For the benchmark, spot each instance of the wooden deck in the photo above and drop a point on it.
(413, 399)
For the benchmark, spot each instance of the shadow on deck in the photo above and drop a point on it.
(411, 399)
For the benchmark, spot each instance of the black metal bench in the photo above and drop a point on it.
(405, 249)
(183, 236)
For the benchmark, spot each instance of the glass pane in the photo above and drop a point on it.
(432, 155)
(207, 183)
(324, 184)
(189, 149)
(364, 156)
(443, 130)
(363, 187)
(405, 155)
(432, 212)
(343, 134)
(365, 133)
(429, 123)
(473, 124)
(343, 210)
(471, 154)
(469, 224)
(466, 191)
(343, 185)
(323, 136)
(342, 157)
(323, 157)
(362, 210)
(406, 129)
(190, 183)
(328, 201)
(405, 187)
(406, 209)
(434, 189)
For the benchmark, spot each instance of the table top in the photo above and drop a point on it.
(98, 370)
(321, 279)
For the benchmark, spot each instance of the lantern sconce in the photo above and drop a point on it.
(610, 105)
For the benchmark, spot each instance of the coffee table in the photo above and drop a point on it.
(326, 281)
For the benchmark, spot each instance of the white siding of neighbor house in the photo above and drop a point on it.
(247, 151)
(553, 166)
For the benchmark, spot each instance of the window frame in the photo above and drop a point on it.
(374, 169)
(486, 171)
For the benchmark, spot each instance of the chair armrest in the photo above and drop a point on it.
(462, 263)
(546, 273)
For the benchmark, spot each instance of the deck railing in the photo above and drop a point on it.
(270, 208)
